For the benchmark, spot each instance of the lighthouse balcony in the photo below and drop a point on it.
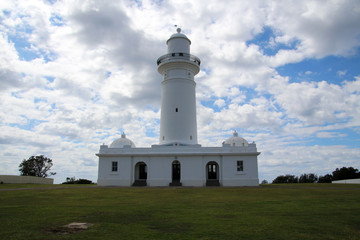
(170, 57)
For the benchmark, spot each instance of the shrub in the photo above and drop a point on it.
(83, 181)
(72, 180)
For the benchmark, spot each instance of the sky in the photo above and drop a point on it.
(76, 74)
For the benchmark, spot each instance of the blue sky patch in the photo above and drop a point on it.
(56, 20)
(50, 79)
(24, 48)
(266, 42)
(31, 123)
(344, 137)
(331, 69)
(36, 100)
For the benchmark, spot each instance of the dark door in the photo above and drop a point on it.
(142, 171)
(176, 172)
(212, 171)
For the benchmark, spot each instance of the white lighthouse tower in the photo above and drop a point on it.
(178, 102)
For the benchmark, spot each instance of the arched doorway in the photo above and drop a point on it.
(176, 173)
(140, 174)
(212, 174)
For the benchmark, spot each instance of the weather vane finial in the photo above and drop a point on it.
(178, 29)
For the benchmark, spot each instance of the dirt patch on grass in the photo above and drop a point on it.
(70, 228)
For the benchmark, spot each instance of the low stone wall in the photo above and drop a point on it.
(348, 181)
(25, 179)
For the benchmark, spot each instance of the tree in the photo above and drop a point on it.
(308, 178)
(345, 173)
(286, 179)
(38, 166)
(325, 179)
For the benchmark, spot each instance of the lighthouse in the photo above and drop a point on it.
(178, 126)
(178, 159)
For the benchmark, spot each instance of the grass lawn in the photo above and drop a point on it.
(312, 211)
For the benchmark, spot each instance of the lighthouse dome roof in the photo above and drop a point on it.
(121, 142)
(236, 141)
(179, 35)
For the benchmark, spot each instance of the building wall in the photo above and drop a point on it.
(193, 169)
(25, 179)
(348, 181)
(122, 177)
(159, 170)
(192, 172)
(247, 177)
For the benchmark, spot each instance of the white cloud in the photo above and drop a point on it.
(341, 73)
(329, 135)
(323, 28)
(314, 102)
(220, 103)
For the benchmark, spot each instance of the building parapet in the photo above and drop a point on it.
(180, 150)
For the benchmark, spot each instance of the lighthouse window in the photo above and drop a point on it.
(163, 137)
(240, 166)
(176, 109)
(190, 137)
(114, 166)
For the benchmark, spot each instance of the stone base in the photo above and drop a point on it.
(212, 183)
(175, 184)
(139, 183)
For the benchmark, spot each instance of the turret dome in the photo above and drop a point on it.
(236, 141)
(121, 142)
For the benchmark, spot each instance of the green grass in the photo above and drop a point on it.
(311, 211)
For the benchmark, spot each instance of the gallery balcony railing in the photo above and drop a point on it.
(178, 56)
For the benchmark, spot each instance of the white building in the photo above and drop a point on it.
(178, 159)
